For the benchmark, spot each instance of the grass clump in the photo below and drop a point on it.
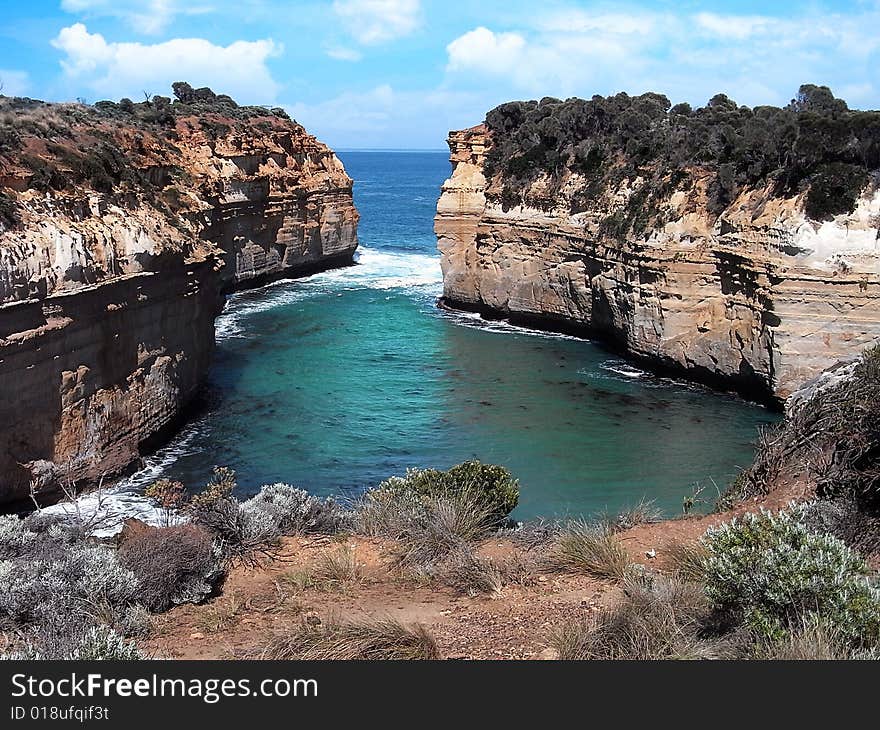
(591, 549)
(384, 638)
(688, 560)
(657, 618)
(644, 512)
(338, 568)
(431, 521)
(813, 640)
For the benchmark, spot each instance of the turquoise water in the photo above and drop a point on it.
(338, 381)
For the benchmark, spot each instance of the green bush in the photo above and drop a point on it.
(815, 144)
(494, 484)
(771, 572)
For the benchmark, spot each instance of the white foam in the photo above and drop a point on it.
(107, 509)
(500, 326)
(623, 369)
(382, 270)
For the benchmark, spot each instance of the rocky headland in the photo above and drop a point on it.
(732, 245)
(121, 226)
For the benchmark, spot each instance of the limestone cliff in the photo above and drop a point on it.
(751, 294)
(120, 227)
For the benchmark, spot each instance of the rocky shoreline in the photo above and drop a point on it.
(757, 298)
(109, 287)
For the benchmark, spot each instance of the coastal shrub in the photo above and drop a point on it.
(94, 643)
(297, 512)
(256, 525)
(220, 487)
(493, 484)
(590, 549)
(173, 565)
(656, 618)
(240, 533)
(772, 572)
(85, 578)
(56, 586)
(170, 496)
(384, 638)
(104, 644)
(844, 518)
(16, 538)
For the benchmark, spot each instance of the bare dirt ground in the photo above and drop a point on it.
(257, 601)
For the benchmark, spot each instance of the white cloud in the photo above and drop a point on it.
(13, 83)
(376, 21)
(551, 61)
(128, 69)
(490, 52)
(755, 59)
(145, 16)
(341, 53)
(739, 27)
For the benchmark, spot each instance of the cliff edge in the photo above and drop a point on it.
(120, 227)
(736, 246)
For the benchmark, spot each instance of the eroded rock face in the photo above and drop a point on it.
(108, 299)
(759, 298)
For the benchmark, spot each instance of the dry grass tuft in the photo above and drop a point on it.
(688, 560)
(658, 618)
(813, 641)
(340, 566)
(643, 513)
(594, 550)
(334, 570)
(384, 638)
(469, 574)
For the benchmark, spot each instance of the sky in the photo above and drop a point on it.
(401, 73)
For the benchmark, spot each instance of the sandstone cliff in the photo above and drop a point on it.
(120, 227)
(751, 293)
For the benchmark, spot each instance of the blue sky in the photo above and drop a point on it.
(400, 73)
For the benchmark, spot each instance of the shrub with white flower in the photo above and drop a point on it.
(773, 571)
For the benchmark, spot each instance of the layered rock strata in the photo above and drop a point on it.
(759, 298)
(108, 292)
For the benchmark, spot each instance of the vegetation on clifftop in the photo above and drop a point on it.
(814, 144)
(114, 148)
